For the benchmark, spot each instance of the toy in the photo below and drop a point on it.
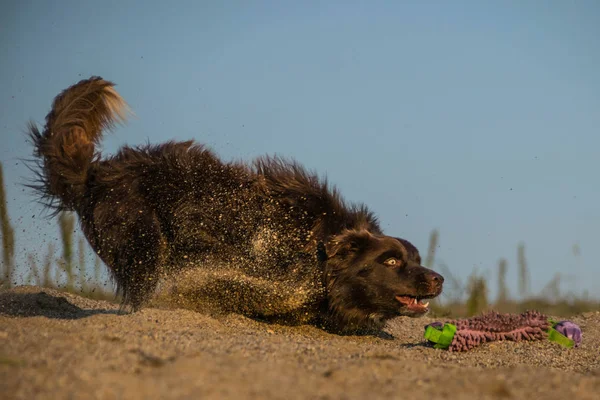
(465, 334)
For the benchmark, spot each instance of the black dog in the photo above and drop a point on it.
(268, 240)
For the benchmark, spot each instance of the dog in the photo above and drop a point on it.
(267, 239)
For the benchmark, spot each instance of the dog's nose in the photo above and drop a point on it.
(434, 278)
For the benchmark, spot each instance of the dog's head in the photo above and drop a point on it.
(372, 278)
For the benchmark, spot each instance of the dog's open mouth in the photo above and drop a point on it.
(414, 304)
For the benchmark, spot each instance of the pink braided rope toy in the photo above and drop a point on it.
(493, 326)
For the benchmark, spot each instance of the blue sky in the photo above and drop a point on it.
(479, 119)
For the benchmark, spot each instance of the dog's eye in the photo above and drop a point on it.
(392, 262)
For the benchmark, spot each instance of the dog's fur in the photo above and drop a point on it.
(270, 240)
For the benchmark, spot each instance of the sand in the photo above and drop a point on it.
(61, 346)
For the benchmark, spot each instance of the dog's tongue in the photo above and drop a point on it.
(412, 302)
(405, 300)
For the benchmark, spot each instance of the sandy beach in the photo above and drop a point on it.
(55, 345)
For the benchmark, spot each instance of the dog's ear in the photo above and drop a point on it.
(347, 243)
(342, 249)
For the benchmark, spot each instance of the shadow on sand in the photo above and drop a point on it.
(38, 304)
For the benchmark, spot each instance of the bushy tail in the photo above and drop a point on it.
(65, 150)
